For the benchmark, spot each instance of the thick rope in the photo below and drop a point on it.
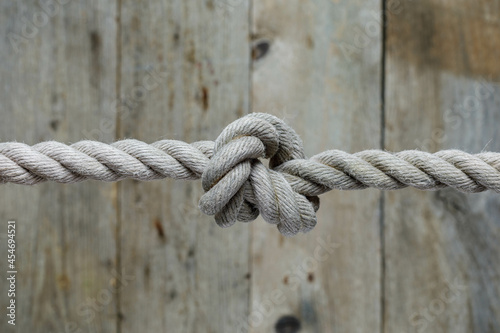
(238, 185)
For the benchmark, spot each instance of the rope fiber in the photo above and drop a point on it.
(237, 185)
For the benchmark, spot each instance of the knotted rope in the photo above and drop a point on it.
(238, 186)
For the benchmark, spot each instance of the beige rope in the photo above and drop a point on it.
(238, 185)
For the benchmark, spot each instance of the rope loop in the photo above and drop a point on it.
(238, 186)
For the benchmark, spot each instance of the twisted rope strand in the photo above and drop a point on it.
(383, 170)
(237, 185)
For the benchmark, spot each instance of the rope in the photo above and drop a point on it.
(237, 185)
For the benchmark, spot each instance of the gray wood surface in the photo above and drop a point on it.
(191, 275)
(442, 248)
(57, 86)
(332, 101)
(139, 256)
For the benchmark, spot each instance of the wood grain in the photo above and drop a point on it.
(139, 256)
(56, 87)
(190, 275)
(442, 249)
(332, 99)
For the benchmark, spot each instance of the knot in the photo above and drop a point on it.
(239, 186)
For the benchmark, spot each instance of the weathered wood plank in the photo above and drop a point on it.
(442, 249)
(55, 86)
(190, 275)
(183, 71)
(318, 78)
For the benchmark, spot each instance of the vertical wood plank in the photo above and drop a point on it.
(57, 69)
(442, 92)
(190, 275)
(319, 78)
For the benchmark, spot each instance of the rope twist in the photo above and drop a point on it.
(237, 185)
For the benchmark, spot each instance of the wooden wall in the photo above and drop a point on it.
(139, 256)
